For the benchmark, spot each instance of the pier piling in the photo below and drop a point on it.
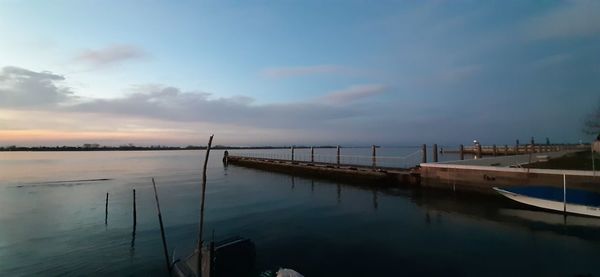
(134, 212)
(106, 211)
(312, 154)
(462, 152)
(374, 154)
(292, 153)
(435, 153)
(424, 153)
(338, 155)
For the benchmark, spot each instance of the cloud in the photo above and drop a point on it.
(573, 19)
(21, 87)
(354, 93)
(109, 55)
(170, 103)
(295, 71)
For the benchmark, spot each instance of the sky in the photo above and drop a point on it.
(345, 72)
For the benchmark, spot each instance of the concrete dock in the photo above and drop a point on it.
(506, 171)
(479, 175)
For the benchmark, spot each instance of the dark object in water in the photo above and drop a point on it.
(231, 257)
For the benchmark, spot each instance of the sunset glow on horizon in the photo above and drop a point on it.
(282, 73)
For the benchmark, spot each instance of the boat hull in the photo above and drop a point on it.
(551, 204)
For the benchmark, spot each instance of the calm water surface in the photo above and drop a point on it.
(52, 227)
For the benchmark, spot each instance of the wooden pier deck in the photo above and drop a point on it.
(343, 172)
(479, 175)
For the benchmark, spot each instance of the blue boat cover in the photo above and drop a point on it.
(574, 196)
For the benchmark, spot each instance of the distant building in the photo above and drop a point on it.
(91, 145)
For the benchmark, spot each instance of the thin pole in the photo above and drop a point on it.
(374, 155)
(312, 154)
(565, 192)
(162, 229)
(199, 268)
(106, 211)
(593, 162)
(134, 212)
(424, 153)
(462, 152)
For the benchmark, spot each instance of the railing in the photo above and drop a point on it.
(406, 161)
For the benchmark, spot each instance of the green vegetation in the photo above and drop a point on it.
(573, 161)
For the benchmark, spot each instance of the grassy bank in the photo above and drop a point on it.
(573, 161)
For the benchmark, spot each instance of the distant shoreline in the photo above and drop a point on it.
(144, 148)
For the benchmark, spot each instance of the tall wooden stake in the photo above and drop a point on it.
(565, 193)
(106, 211)
(134, 212)
(374, 155)
(162, 229)
(202, 206)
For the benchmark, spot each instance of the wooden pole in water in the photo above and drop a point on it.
(462, 152)
(338, 155)
(593, 162)
(374, 155)
(434, 152)
(312, 154)
(565, 192)
(134, 211)
(424, 153)
(202, 205)
(292, 153)
(162, 229)
(106, 211)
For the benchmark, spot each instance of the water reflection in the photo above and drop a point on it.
(406, 231)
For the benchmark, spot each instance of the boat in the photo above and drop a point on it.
(234, 256)
(566, 200)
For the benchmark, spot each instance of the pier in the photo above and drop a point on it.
(486, 167)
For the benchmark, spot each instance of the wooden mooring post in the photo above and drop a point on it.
(462, 152)
(312, 154)
(374, 155)
(134, 212)
(338, 155)
(162, 229)
(434, 152)
(292, 153)
(106, 211)
(424, 153)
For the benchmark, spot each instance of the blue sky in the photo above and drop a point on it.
(297, 72)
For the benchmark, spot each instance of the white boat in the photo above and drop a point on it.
(564, 200)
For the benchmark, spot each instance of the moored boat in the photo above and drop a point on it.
(575, 201)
